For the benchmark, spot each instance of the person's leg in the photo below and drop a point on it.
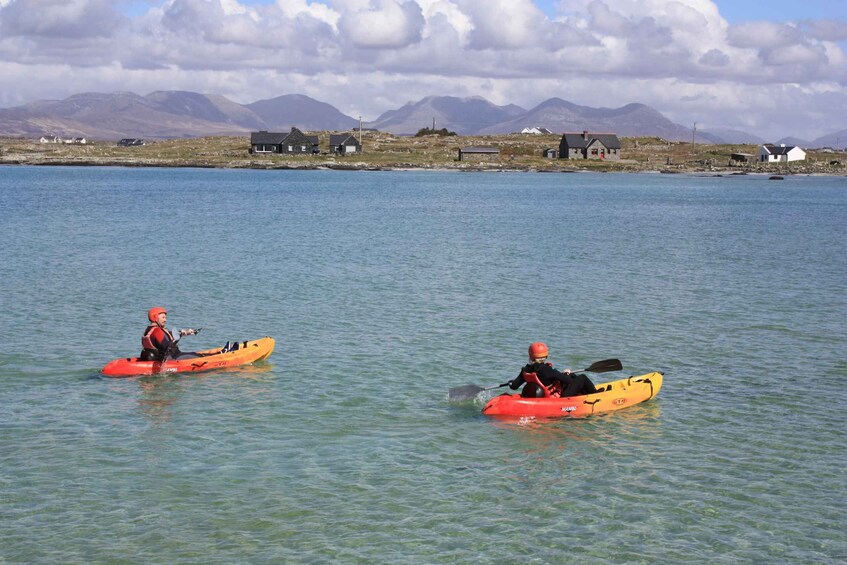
(579, 385)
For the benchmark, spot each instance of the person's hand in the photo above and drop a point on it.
(187, 331)
(567, 371)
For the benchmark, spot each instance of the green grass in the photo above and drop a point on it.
(383, 150)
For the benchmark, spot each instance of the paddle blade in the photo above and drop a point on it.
(605, 366)
(466, 392)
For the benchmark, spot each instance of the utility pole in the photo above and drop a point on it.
(360, 134)
(693, 135)
(433, 123)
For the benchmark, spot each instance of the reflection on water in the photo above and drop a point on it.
(159, 393)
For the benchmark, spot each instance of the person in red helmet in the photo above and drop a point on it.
(570, 384)
(158, 342)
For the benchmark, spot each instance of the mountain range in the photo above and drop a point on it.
(175, 114)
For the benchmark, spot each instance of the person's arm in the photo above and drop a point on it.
(516, 383)
(548, 374)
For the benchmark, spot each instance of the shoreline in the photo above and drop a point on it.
(691, 171)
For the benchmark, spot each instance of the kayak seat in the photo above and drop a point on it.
(534, 386)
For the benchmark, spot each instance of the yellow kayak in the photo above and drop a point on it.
(614, 395)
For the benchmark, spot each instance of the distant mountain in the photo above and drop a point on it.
(124, 114)
(465, 116)
(732, 136)
(562, 116)
(307, 114)
(836, 140)
(793, 141)
(173, 114)
(166, 114)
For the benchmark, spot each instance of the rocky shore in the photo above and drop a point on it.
(383, 151)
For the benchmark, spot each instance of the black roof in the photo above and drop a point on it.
(583, 139)
(477, 149)
(778, 150)
(341, 138)
(267, 137)
(276, 138)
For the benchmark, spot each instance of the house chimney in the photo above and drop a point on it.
(782, 145)
(584, 134)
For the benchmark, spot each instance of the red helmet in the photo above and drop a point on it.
(537, 350)
(153, 313)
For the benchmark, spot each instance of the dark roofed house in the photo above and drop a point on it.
(130, 142)
(292, 142)
(265, 141)
(344, 143)
(479, 153)
(587, 145)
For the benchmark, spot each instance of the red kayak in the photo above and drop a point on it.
(249, 352)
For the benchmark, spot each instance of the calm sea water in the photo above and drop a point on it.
(384, 290)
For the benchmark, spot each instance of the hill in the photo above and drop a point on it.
(181, 114)
(307, 114)
(465, 116)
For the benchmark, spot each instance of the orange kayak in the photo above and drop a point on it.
(611, 396)
(249, 352)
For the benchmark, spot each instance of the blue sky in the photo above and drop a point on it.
(739, 11)
(774, 68)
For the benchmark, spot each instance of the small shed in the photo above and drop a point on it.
(739, 158)
(477, 153)
(550, 153)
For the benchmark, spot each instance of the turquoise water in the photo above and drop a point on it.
(383, 290)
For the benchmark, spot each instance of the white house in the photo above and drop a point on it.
(536, 131)
(770, 153)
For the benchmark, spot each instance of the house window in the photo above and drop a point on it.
(290, 148)
(303, 148)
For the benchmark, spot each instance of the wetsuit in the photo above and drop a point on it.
(572, 384)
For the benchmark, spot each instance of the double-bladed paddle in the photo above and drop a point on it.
(467, 392)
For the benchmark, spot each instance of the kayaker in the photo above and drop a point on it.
(571, 384)
(159, 342)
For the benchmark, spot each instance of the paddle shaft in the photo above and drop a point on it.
(172, 345)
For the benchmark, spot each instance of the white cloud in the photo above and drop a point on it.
(382, 24)
(368, 56)
(74, 19)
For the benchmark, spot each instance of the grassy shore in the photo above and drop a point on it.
(384, 151)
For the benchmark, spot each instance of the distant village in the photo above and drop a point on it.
(585, 145)
(578, 145)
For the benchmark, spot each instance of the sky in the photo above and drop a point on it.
(774, 68)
